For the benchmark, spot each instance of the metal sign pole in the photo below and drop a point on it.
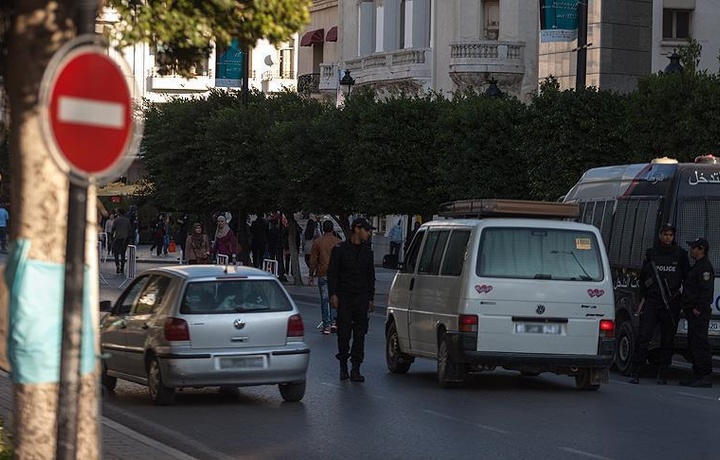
(100, 259)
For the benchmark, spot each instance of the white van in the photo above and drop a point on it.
(527, 294)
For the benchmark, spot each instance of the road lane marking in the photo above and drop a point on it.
(91, 112)
(455, 419)
(709, 398)
(585, 454)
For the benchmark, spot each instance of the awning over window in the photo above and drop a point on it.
(313, 37)
(332, 34)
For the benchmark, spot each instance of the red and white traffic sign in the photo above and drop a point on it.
(89, 113)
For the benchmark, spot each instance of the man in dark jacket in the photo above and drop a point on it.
(351, 286)
(663, 272)
(698, 294)
(121, 231)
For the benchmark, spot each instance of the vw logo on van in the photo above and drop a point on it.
(540, 309)
(239, 323)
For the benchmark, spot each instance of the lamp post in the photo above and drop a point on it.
(492, 90)
(348, 81)
(674, 66)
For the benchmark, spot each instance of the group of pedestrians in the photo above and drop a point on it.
(669, 285)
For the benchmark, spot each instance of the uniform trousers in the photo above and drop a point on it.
(698, 344)
(651, 316)
(352, 323)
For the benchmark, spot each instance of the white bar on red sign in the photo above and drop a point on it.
(91, 112)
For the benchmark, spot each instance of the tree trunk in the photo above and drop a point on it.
(39, 216)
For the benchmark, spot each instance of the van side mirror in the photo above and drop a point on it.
(105, 305)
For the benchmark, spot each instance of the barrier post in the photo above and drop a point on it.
(103, 237)
(131, 264)
(270, 266)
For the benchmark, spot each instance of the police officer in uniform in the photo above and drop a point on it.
(351, 286)
(697, 297)
(663, 272)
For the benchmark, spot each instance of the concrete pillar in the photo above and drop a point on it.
(379, 28)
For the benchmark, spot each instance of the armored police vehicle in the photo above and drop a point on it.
(628, 204)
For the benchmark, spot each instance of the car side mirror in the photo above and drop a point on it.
(105, 305)
(400, 265)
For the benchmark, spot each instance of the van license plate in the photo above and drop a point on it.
(713, 327)
(525, 328)
(243, 362)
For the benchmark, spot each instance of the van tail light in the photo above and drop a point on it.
(468, 323)
(607, 328)
(295, 326)
(176, 329)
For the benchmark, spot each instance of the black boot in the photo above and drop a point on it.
(355, 375)
(343, 371)
(662, 377)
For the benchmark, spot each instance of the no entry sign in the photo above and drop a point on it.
(89, 116)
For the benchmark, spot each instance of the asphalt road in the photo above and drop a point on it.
(498, 415)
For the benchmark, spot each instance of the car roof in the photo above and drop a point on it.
(211, 271)
(510, 222)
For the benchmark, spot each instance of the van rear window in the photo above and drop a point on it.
(539, 253)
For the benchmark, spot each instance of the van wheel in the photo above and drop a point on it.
(159, 393)
(397, 361)
(625, 347)
(582, 381)
(450, 374)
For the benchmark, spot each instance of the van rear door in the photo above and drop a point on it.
(541, 290)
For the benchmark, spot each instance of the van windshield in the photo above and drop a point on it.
(539, 253)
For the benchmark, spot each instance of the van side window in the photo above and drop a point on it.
(455, 254)
(634, 230)
(413, 250)
(432, 252)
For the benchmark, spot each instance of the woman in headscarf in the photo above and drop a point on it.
(197, 246)
(225, 241)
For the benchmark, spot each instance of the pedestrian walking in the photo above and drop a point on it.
(158, 235)
(121, 231)
(197, 245)
(395, 235)
(698, 294)
(351, 286)
(664, 269)
(225, 241)
(311, 234)
(108, 231)
(258, 240)
(4, 221)
(319, 262)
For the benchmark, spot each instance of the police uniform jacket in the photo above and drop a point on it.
(672, 267)
(351, 272)
(699, 287)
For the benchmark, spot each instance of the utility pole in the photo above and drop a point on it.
(582, 12)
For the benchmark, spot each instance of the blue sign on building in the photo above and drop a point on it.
(558, 20)
(229, 66)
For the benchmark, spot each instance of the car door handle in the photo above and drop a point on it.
(412, 283)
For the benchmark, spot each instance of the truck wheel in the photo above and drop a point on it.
(625, 347)
(582, 381)
(397, 361)
(450, 373)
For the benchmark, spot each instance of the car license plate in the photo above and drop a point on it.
(530, 328)
(713, 327)
(243, 362)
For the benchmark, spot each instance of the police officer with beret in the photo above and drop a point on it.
(351, 286)
(663, 272)
(698, 294)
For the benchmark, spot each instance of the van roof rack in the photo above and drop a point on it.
(509, 208)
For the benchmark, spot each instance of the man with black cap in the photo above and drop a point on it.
(351, 286)
(698, 294)
(662, 274)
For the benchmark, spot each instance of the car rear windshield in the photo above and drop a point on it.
(234, 296)
(539, 253)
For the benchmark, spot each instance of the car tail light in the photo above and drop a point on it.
(176, 329)
(468, 323)
(295, 326)
(607, 328)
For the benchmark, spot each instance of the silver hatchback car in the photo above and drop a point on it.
(202, 326)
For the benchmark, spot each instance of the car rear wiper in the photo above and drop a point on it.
(582, 267)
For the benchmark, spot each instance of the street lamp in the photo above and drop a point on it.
(674, 66)
(492, 90)
(348, 81)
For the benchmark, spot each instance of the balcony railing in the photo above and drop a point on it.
(407, 65)
(489, 56)
(309, 83)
